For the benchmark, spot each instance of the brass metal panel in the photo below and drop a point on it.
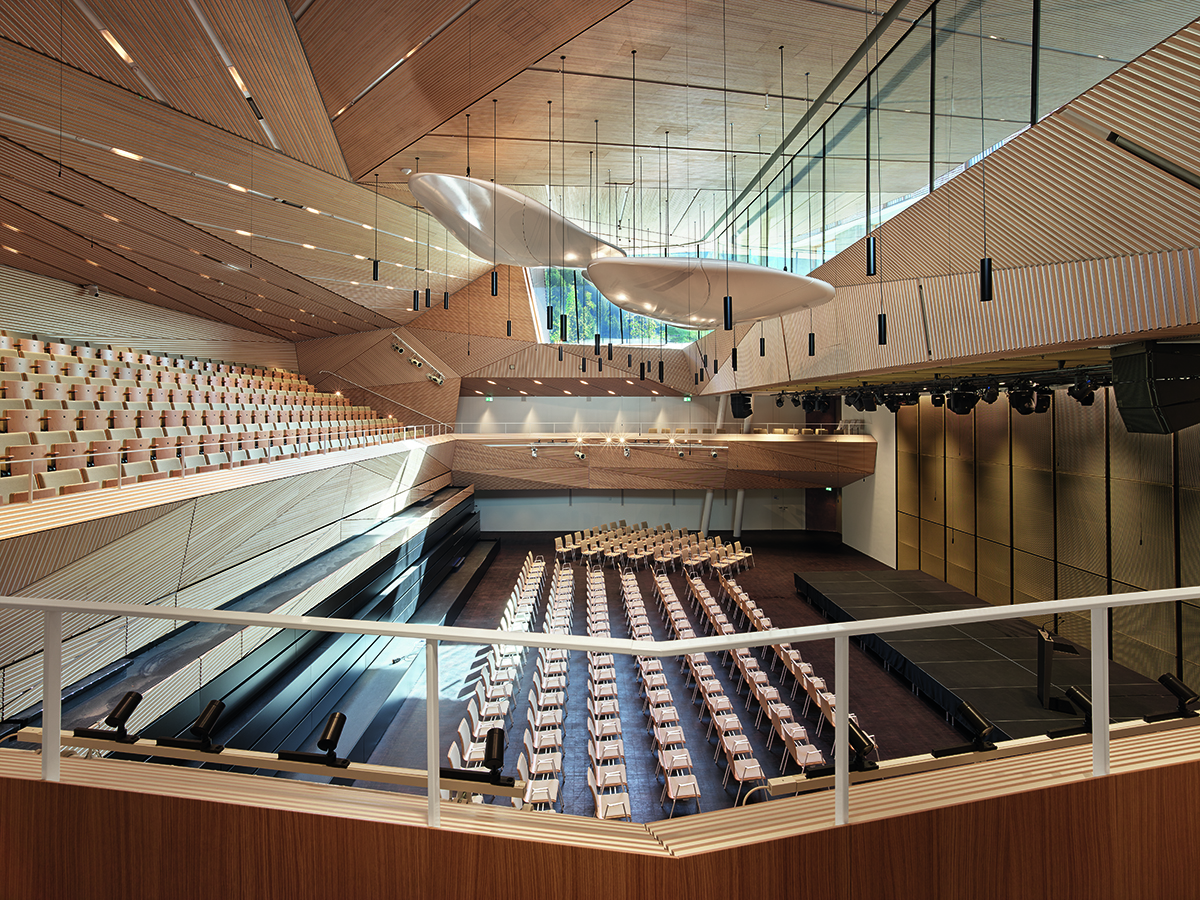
(1033, 578)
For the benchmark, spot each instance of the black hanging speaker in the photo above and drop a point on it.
(740, 406)
(1157, 386)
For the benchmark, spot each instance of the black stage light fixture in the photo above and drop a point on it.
(1042, 400)
(990, 393)
(327, 743)
(795, 399)
(713, 454)
(981, 732)
(117, 719)
(202, 730)
(852, 400)
(1020, 398)
(1186, 697)
(779, 401)
(962, 399)
(579, 454)
(893, 402)
(681, 454)
(937, 399)
(1083, 703)
(1083, 390)
(862, 746)
(493, 750)
(729, 314)
(808, 403)
(866, 401)
(821, 403)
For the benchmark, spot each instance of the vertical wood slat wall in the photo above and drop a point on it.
(1016, 509)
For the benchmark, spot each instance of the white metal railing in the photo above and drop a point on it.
(683, 430)
(841, 632)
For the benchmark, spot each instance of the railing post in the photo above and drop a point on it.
(433, 737)
(1100, 718)
(841, 730)
(52, 633)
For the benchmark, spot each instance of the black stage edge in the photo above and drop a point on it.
(990, 665)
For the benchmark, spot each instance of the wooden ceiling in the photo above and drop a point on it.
(272, 224)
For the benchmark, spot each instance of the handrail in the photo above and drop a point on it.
(52, 611)
(640, 427)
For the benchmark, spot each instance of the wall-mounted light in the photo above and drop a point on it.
(202, 730)
(327, 743)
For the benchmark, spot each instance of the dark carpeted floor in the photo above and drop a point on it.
(902, 724)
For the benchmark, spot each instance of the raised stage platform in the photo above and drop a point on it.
(990, 665)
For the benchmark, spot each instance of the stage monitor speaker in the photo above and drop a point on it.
(739, 405)
(1157, 386)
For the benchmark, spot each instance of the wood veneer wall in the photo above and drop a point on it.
(58, 311)
(198, 553)
(1128, 835)
(1016, 509)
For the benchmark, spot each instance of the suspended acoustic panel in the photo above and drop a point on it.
(495, 222)
(690, 292)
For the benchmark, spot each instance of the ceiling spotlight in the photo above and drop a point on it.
(808, 403)
(117, 719)
(795, 399)
(1020, 398)
(938, 399)
(533, 452)
(893, 402)
(406, 171)
(713, 454)
(962, 399)
(779, 401)
(579, 454)
(626, 452)
(1083, 390)
(854, 400)
(989, 393)
(681, 454)
(821, 403)
(1044, 398)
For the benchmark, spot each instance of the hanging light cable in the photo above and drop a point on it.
(495, 277)
(985, 264)
(417, 231)
(375, 261)
(728, 300)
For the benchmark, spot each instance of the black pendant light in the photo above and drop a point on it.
(642, 372)
(375, 261)
(416, 300)
(733, 358)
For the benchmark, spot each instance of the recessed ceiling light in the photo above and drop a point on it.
(614, 393)
(238, 187)
(111, 218)
(524, 393)
(654, 392)
(566, 392)
(489, 381)
(366, 226)
(535, 381)
(356, 256)
(309, 247)
(126, 154)
(480, 393)
(581, 381)
(315, 212)
(243, 233)
(112, 42)
(627, 381)
(10, 249)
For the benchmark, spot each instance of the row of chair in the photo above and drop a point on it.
(540, 763)
(673, 759)
(607, 779)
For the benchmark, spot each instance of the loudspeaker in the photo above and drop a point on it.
(739, 405)
(1157, 386)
